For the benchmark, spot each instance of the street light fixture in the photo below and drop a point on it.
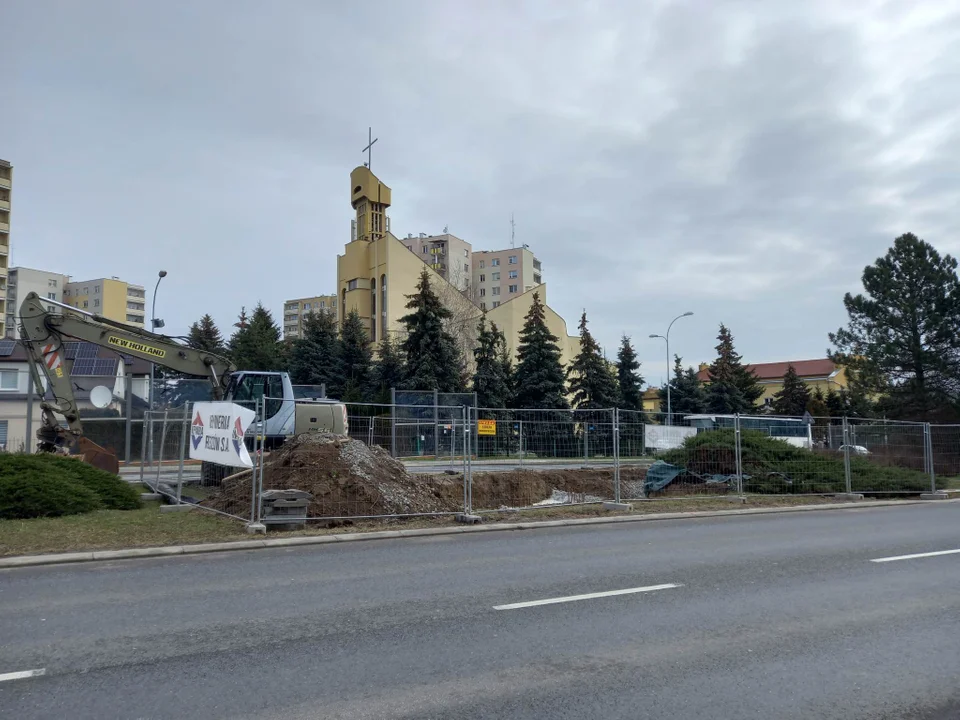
(667, 338)
(155, 324)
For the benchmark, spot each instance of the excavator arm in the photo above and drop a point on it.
(44, 333)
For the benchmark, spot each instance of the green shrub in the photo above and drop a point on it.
(34, 492)
(773, 466)
(110, 491)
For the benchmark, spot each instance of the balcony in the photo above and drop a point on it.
(4, 182)
(4, 227)
(4, 205)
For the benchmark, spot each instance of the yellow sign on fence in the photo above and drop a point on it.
(486, 427)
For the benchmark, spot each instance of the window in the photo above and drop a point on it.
(352, 285)
(323, 303)
(495, 262)
(483, 278)
(512, 260)
(96, 290)
(495, 276)
(466, 253)
(483, 292)
(483, 264)
(8, 380)
(3, 434)
(496, 303)
(51, 296)
(51, 283)
(51, 308)
(513, 288)
(496, 290)
(86, 303)
(409, 248)
(424, 249)
(466, 267)
(96, 303)
(134, 318)
(483, 306)
(86, 290)
(513, 274)
(306, 306)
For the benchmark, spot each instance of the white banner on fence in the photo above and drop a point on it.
(216, 433)
(666, 437)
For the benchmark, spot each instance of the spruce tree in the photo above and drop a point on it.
(733, 388)
(256, 345)
(491, 379)
(356, 357)
(539, 377)
(687, 395)
(388, 370)
(432, 358)
(591, 382)
(793, 397)
(628, 376)
(315, 356)
(204, 335)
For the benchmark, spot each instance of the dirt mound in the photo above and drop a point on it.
(346, 478)
(521, 488)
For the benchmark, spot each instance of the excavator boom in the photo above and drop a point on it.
(44, 333)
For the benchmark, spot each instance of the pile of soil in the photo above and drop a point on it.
(346, 478)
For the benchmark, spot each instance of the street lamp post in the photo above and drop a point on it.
(667, 338)
(155, 324)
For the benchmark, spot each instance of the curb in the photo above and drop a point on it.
(133, 553)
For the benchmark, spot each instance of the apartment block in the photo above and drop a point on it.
(111, 298)
(6, 190)
(501, 275)
(450, 256)
(295, 312)
(22, 281)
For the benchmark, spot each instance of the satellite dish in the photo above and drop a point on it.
(101, 396)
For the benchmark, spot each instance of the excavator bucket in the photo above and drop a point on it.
(97, 456)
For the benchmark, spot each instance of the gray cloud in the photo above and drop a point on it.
(742, 160)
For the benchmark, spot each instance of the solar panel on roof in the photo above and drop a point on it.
(94, 367)
(6, 347)
(87, 350)
(71, 349)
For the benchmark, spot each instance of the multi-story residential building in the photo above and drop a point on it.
(377, 271)
(501, 275)
(23, 281)
(295, 312)
(450, 256)
(6, 190)
(111, 298)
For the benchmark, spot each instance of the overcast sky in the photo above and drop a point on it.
(742, 160)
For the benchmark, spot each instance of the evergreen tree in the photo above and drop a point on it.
(592, 383)
(204, 335)
(256, 345)
(491, 379)
(903, 334)
(817, 406)
(793, 397)
(628, 376)
(315, 356)
(733, 388)
(242, 321)
(356, 356)
(388, 370)
(432, 358)
(539, 377)
(687, 396)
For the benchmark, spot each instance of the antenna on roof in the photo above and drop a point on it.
(513, 227)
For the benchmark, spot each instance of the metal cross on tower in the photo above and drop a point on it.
(370, 141)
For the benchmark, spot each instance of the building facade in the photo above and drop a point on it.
(111, 298)
(377, 271)
(21, 282)
(295, 312)
(822, 374)
(502, 275)
(6, 191)
(449, 255)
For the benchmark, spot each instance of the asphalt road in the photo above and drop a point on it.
(770, 617)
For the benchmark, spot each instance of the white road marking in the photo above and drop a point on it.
(916, 556)
(587, 596)
(23, 674)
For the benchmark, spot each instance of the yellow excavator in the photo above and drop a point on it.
(44, 334)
